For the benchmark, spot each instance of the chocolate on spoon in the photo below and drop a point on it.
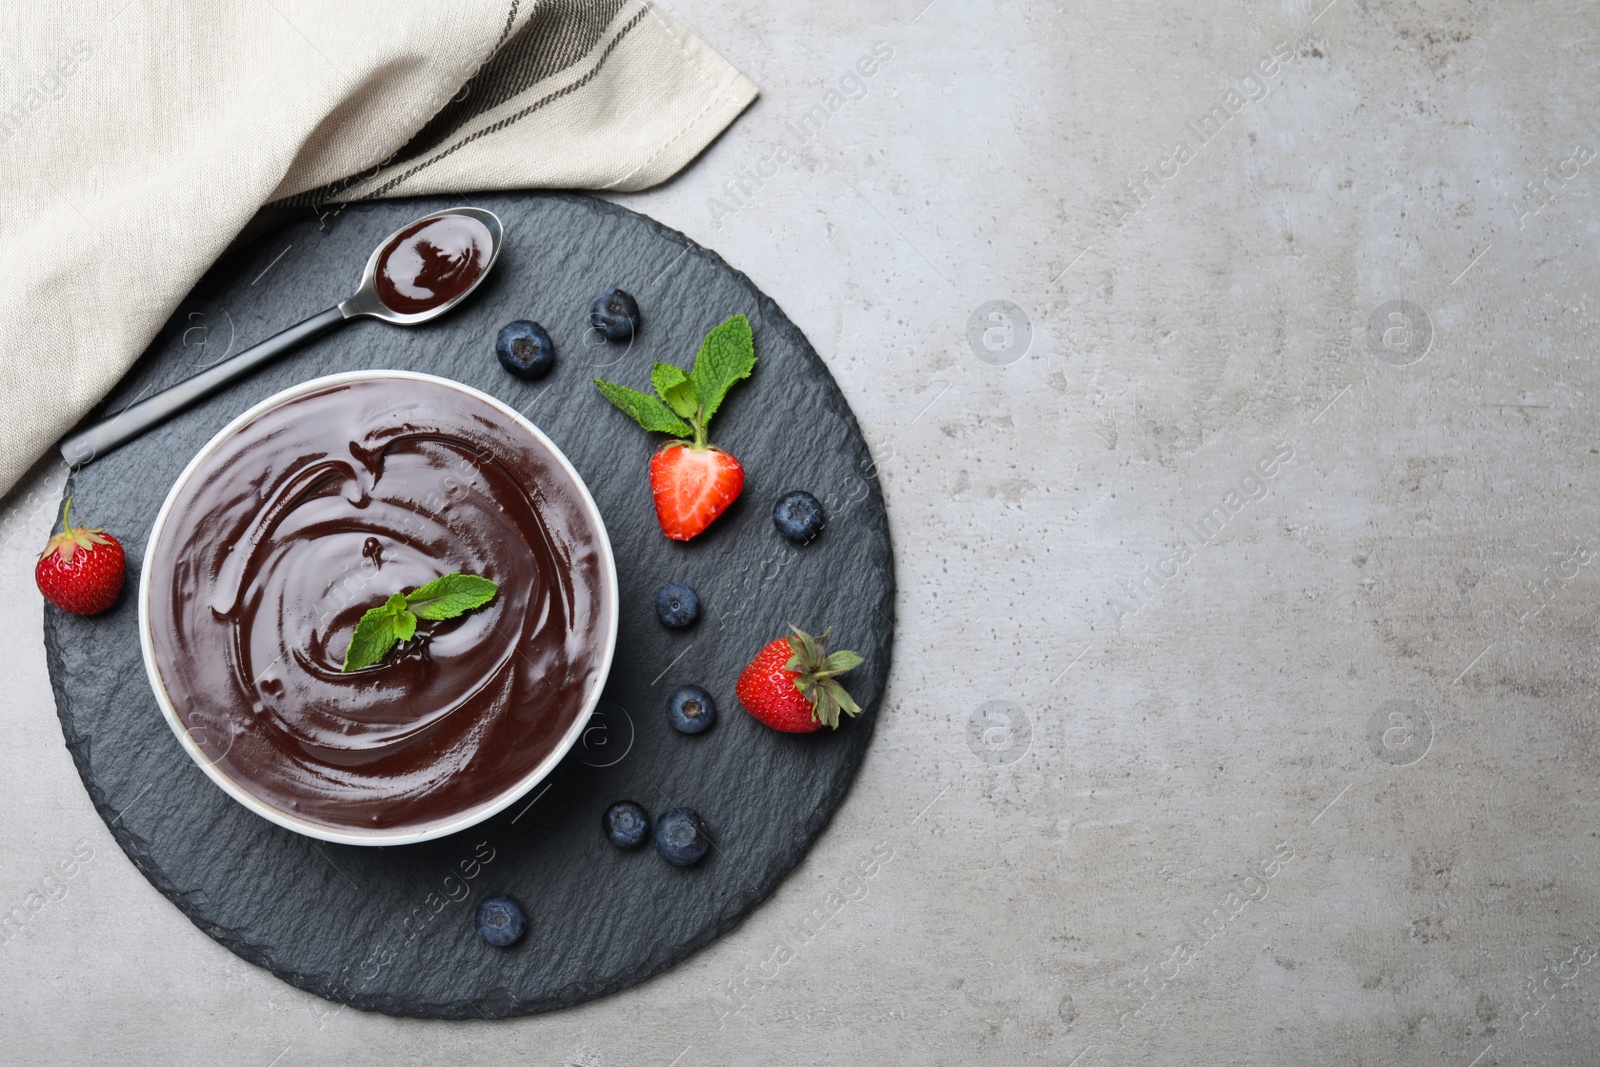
(419, 272)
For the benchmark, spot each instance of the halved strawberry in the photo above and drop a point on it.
(692, 486)
(793, 687)
(692, 481)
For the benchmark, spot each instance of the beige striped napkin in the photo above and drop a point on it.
(138, 138)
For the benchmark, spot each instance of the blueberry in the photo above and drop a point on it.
(681, 836)
(626, 824)
(500, 920)
(799, 516)
(691, 710)
(525, 349)
(615, 314)
(677, 605)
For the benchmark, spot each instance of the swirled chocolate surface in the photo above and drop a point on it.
(320, 509)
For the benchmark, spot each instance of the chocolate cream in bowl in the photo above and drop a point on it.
(319, 509)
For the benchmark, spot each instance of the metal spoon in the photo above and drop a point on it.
(87, 445)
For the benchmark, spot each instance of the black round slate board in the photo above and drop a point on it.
(390, 929)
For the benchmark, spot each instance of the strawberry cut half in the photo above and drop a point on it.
(692, 480)
(692, 486)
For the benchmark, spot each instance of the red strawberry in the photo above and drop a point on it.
(80, 570)
(693, 481)
(791, 686)
(692, 486)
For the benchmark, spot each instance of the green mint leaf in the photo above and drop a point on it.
(726, 355)
(375, 635)
(449, 596)
(395, 620)
(645, 409)
(405, 625)
(676, 389)
(682, 399)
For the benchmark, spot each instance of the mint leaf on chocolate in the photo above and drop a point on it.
(376, 633)
(405, 626)
(395, 620)
(452, 595)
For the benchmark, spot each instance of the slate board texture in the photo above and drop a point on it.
(390, 929)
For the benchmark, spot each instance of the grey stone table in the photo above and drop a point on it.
(1243, 700)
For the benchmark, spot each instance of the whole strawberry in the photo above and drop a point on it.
(792, 686)
(81, 569)
(692, 480)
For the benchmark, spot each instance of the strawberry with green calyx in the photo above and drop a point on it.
(692, 481)
(792, 686)
(81, 570)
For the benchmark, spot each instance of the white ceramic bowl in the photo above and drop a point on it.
(403, 836)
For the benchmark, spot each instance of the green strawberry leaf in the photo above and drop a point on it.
(450, 596)
(807, 649)
(676, 389)
(839, 662)
(726, 355)
(645, 409)
(841, 698)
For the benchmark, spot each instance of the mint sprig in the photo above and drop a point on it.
(395, 620)
(684, 403)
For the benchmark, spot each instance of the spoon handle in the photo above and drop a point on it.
(87, 445)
